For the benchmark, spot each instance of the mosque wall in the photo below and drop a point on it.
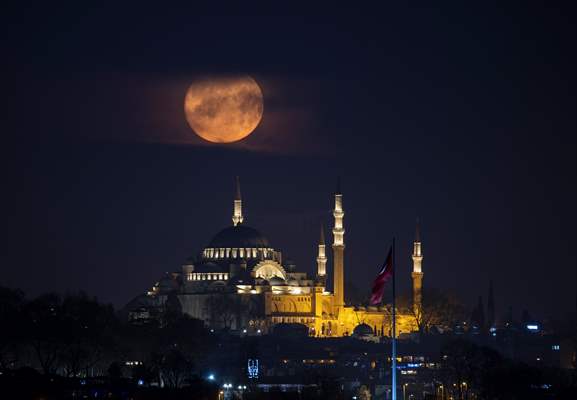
(271, 295)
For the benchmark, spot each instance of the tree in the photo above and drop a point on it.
(145, 372)
(222, 310)
(466, 366)
(48, 337)
(172, 366)
(175, 368)
(68, 334)
(172, 350)
(115, 371)
(171, 310)
(439, 309)
(87, 322)
(12, 304)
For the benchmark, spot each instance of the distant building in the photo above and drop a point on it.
(239, 281)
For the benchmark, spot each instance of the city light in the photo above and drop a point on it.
(252, 368)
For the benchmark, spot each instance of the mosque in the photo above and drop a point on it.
(239, 281)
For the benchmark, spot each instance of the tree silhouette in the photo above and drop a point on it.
(222, 310)
(12, 314)
(439, 309)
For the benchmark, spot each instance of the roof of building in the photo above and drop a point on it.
(292, 282)
(242, 278)
(277, 281)
(239, 236)
(209, 267)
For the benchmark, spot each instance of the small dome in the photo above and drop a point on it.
(362, 330)
(239, 236)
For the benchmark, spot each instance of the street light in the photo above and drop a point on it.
(405, 390)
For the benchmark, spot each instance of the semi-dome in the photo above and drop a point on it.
(239, 236)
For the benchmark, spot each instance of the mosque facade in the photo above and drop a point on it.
(239, 281)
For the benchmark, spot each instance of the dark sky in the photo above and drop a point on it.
(464, 117)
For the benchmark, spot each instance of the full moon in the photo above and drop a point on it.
(223, 110)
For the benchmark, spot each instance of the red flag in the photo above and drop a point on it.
(383, 276)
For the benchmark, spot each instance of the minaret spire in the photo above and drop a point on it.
(417, 274)
(338, 251)
(322, 257)
(237, 210)
(491, 306)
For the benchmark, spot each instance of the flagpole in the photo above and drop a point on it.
(394, 342)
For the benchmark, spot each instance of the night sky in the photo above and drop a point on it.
(463, 117)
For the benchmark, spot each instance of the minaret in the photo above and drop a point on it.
(237, 212)
(417, 273)
(338, 251)
(322, 257)
(491, 307)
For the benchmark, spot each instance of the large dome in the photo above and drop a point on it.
(239, 236)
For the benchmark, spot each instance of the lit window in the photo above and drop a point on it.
(555, 347)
